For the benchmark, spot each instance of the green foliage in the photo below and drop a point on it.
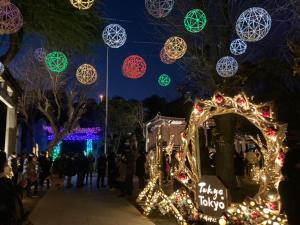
(62, 25)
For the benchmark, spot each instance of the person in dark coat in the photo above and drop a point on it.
(44, 168)
(289, 187)
(112, 169)
(130, 160)
(14, 166)
(140, 169)
(101, 169)
(81, 164)
(90, 170)
(69, 170)
(11, 208)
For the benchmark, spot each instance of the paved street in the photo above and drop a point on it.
(88, 206)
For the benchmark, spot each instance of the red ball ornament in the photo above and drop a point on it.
(165, 58)
(272, 205)
(265, 112)
(183, 177)
(199, 108)
(134, 67)
(241, 102)
(219, 99)
(281, 157)
(271, 132)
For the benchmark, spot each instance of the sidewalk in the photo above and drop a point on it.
(88, 206)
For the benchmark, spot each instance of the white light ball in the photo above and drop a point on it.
(159, 8)
(2, 68)
(40, 54)
(253, 24)
(227, 66)
(238, 47)
(114, 35)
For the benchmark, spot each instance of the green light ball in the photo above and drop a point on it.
(164, 80)
(195, 20)
(57, 62)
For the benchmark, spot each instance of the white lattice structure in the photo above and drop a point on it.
(11, 19)
(159, 8)
(175, 47)
(82, 4)
(253, 24)
(227, 66)
(114, 35)
(238, 47)
(86, 74)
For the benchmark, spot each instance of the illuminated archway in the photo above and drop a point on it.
(183, 203)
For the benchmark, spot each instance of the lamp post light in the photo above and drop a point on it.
(101, 98)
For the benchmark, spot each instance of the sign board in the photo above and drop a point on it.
(213, 196)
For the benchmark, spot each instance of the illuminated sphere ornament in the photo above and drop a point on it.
(165, 58)
(238, 47)
(82, 4)
(86, 74)
(11, 19)
(195, 20)
(159, 8)
(40, 54)
(227, 66)
(253, 24)
(2, 68)
(164, 80)
(114, 35)
(56, 61)
(134, 67)
(175, 47)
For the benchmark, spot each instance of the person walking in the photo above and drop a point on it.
(44, 169)
(122, 171)
(32, 176)
(90, 169)
(69, 170)
(289, 187)
(140, 169)
(13, 162)
(81, 164)
(11, 207)
(112, 170)
(101, 169)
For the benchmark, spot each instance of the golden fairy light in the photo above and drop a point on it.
(262, 209)
(175, 47)
(82, 4)
(86, 74)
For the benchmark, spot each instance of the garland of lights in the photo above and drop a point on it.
(56, 151)
(227, 66)
(262, 209)
(89, 147)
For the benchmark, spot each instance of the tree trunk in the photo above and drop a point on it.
(225, 168)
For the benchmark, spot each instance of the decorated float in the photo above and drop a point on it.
(202, 197)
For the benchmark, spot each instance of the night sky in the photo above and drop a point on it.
(144, 40)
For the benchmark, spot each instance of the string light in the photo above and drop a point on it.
(195, 20)
(56, 151)
(134, 67)
(159, 8)
(164, 80)
(238, 47)
(114, 35)
(262, 209)
(57, 62)
(227, 66)
(175, 47)
(11, 19)
(82, 4)
(86, 74)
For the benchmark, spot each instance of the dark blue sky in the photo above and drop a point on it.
(141, 40)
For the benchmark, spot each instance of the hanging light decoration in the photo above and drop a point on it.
(253, 24)
(2, 68)
(82, 4)
(134, 67)
(56, 61)
(165, 58)
(86, 74)
(238, 47)
(175, 47)
(114, 35)
(227, 66)
(159, 8)
(11, 19)
(164, 80)
(195, 20)
(40, 54)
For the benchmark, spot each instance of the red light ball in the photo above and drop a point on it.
(134, 67)
(165, 58)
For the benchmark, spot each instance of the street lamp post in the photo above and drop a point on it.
(106, 102)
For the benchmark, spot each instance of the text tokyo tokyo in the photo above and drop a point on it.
(211, 197)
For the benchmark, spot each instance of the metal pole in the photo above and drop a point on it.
(106, 102)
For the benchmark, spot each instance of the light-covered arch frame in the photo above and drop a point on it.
(262, 209)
